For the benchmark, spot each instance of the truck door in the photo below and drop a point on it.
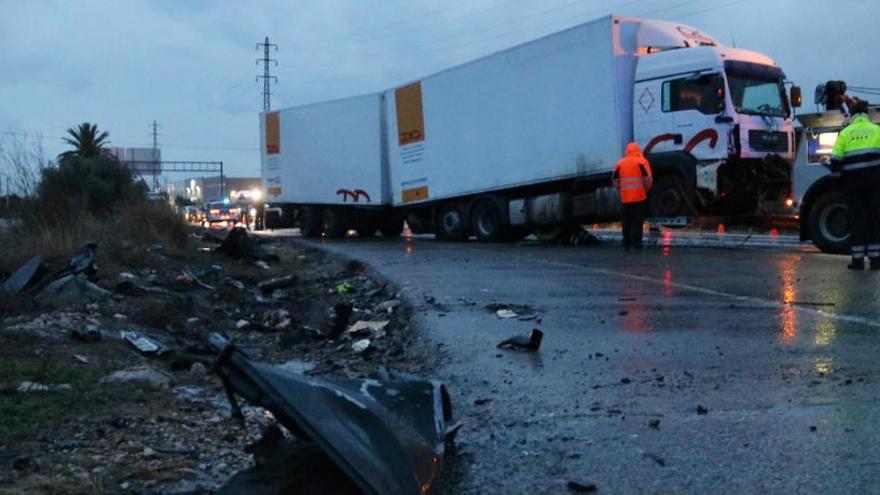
(652, 128)
(695, 103)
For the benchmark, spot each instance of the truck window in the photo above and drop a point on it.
(704, 94)
(819, 146)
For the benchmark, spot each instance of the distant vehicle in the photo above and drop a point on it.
(822, 211)
(219, 211)
(527, 137)
(191, 214)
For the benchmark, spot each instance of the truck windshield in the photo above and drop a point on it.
(756, 89)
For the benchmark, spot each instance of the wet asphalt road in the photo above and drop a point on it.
(782, 348)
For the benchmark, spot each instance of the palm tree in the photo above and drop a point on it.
(86, 141)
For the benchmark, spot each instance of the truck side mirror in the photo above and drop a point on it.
(795, 96)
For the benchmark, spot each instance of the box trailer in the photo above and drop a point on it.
(324, 166)
(527, 137)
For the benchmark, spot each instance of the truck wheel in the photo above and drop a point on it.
(310, 222)
(668, 198)
(392, 227)
(487, 222)
(452, 223)
(828, 225)
(334, 223)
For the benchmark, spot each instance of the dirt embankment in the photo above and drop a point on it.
(84, 411)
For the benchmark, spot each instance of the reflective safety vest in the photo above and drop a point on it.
(632, 175)
(857, 146)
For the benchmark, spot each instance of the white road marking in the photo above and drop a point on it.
(712, 292)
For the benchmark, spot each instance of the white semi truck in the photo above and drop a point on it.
(527, 137)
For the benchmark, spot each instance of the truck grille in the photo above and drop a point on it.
(768, 140)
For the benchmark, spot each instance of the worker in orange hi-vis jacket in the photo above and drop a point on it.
(632, 177)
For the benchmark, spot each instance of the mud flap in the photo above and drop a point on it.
(388, 436)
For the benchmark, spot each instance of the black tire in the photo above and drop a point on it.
(334, 223)
(310, 222)
(827, 224)
(419, 222)
(392, 227)
(668, 198)
(452, 223)
(487, 222)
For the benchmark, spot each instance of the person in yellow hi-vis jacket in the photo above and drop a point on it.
(855, 162)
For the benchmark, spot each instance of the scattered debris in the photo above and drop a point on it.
(361, 346)
(581, 486)
(365, 328)
(531, 342)
(142, 343)
(90, 334)
(238, 245)
(482, 401)
(406, 419)
(26, 276)
(267, 286)
(190, 273)
(278, 319)
(702, 410)
(71, 288)
(242, 324)
(654, 423)
(654, 457)
(341, 317)
(506, 314)
(390, 305)
(141, 374)
(28, 386)
(261, 264)
(344, 288)
(235, 283)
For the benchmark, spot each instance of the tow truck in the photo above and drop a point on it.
(820, 206)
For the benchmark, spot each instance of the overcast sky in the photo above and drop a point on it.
(190, 64)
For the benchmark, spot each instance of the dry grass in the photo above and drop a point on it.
(122, 236)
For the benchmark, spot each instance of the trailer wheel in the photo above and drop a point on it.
(487, 222)
(310, 222)
(452, 223)
(334, 223)
(668, 198)
(828, 225)
(392, 227)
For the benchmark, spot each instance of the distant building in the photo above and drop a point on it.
(206, 189)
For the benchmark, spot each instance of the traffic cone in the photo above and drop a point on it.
(720, 228)
(774, 232)
(407, 232)
(595, 227)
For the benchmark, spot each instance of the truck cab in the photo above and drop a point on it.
(714, 121)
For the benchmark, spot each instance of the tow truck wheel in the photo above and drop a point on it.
(487, 222)
(828, 225)
(334, 223)
(452, 223)
(310, 222)
(668, 198)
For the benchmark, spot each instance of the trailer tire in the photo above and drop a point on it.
(310, 222)
(392, 227)
(452, 223)
(828, 225)
(487, 222)
(668, 198)
(334, 223)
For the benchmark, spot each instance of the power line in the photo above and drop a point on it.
(266, 77)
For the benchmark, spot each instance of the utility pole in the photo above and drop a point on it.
(267, 77)
(155, 133)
